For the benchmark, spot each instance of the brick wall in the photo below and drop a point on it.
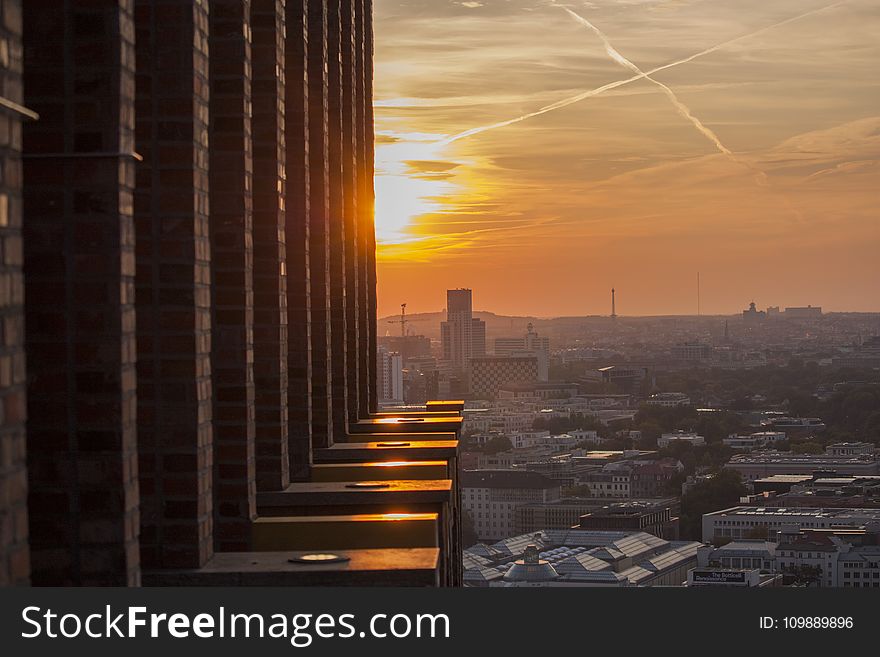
(337, 237)
(79, 279)
(297, 239)
(319, 226)
(351, 75)
(14, 555)
(270, 249)
(232, 256)
(173, 284)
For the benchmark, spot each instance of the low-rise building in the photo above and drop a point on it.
(753, 441)
(745, 521)
(579, 557)
(669, 399)
(686, 437)
(763, 464)
(653, 517)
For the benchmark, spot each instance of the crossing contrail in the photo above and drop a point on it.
(571, 100)
(682, 109)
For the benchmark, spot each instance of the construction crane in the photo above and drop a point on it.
(403, 321)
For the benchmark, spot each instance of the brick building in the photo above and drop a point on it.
(489, 373)
(188, 303)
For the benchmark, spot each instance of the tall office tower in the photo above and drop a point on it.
(390, 376)
(531, 344)
(462, 335)
(188, 296)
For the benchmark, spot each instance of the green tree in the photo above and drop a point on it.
(498, 444)
(468, 530)
(721, 491)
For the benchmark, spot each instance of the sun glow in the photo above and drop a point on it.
(407, 186)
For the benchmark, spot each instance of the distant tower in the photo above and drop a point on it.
(698, 295)
(613, 305)
(726, 331)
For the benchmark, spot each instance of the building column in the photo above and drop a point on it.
(319, 225)
(14, 553)
(270, 249)
(297, 234)
(368, 381)
(368, 206)
(350, 78)
(173, 284)
(338, 191)
(231, 232)
(79, 267)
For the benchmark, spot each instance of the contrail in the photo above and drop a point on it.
(682, 109)
(565, 102)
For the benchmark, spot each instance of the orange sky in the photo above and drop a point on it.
(755, 163)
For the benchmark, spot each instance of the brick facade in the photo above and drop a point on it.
(270, 248)
(337, 237)
(297, 234)
(14, 554)
(231, 177)
(187, 286)
(79, 284)
(319, 226)
(175, 429)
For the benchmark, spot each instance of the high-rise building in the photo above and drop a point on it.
(462, 335)
(390, 376)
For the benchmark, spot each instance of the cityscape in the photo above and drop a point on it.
(655, 451)
(405, 295)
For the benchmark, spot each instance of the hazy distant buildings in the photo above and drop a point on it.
(462, 336)
(531, 344)
(753, 315)
(408, 346)
(626, 378)
(809, 312)
(692, 352)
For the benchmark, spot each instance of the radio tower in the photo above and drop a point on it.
(613, 305)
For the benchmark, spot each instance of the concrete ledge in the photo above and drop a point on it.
(412, 424)
(346, 532)
(400, 494)
(386, 567)
(390, 448)
(380, 471)
(379, 436)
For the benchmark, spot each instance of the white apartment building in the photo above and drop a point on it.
(689, 437)
(492, 497)
(754, 441)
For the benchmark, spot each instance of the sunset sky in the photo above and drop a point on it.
(755, 163)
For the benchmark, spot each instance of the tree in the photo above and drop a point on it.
(719, 492)
(468, 530)
(498, 444)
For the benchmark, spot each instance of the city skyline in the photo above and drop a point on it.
(646, 142)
